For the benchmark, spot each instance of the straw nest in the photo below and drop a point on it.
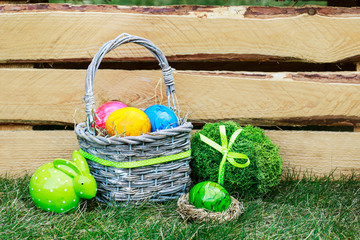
(190, 212)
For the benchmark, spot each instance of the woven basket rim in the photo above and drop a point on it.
(186, 127)
(156, 133)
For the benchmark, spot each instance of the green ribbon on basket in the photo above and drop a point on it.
(224, 149)
(136, 164)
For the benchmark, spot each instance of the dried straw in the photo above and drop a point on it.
(190, 212)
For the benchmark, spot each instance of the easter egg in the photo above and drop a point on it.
(105, 110)
(210, 195)
(52, 190)
(128, 121)
(161, 117)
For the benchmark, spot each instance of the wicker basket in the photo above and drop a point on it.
(156, 182)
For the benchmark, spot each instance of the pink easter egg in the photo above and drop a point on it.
(105, 110)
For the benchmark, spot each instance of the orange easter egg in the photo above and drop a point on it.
(128, 121)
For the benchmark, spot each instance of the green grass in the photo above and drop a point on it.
(311, 208)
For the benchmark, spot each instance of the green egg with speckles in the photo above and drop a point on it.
(210, 195)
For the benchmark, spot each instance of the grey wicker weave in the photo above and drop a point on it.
(159, 182)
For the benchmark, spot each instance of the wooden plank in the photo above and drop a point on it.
(15, 127)
(201, 11)
(33, 96)
(25, 151)
(272, 12)
(317, 152)
(282, 3)
(58, 32)
(17, 65)
(13, 2)
(357, 126)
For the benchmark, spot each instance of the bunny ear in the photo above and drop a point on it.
(80, 162)
(67, 167)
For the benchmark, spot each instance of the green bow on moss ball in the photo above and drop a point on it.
(225, 150)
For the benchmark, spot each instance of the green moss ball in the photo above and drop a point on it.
(263, 173)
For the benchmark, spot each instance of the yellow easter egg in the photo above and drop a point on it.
(128, 121)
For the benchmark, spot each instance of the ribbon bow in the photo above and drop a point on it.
(224, 149)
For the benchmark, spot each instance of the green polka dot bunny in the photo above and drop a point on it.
(58, 186)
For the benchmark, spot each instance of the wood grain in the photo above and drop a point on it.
(201, 11)
(41, 33)
(16, 65)
(318, 153)
(357, 126)
(13, 2)
(15, 127)
(276, 12)
(24, 151)
(32, 96)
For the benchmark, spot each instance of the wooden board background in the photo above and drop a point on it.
(266, 99)
(316, 153)
(38, 35)
(51, 32)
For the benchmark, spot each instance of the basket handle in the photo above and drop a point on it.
(95, 63)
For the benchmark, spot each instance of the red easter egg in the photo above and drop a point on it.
(128, 121)
(104, 111)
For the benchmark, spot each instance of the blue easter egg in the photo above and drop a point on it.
(161, 117)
